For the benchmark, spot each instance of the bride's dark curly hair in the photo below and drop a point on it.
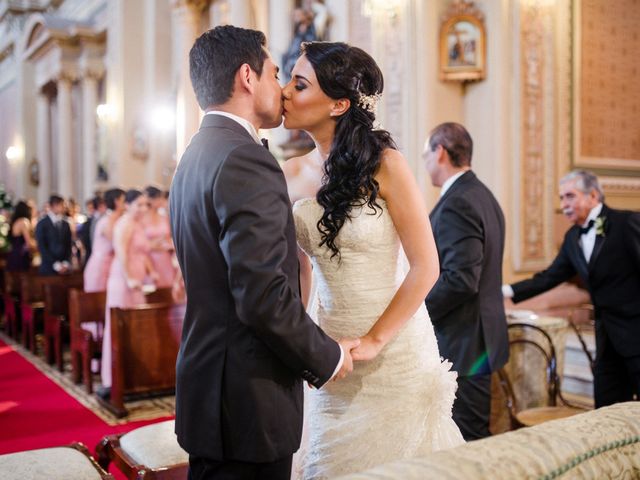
(348, 72)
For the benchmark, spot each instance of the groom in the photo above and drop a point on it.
(247, 343)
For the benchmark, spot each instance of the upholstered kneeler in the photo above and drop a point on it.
(68, 463)
(150, 452)
(603, 443)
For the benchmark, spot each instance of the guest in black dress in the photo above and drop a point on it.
(21, 239)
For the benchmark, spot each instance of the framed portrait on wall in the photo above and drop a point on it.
(462, 44)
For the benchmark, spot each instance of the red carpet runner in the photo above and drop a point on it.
(37, 413)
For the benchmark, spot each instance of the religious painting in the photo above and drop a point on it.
(462, 45)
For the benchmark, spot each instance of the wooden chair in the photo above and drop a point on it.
(144, 348)
(556, 406)
(85, 307)
(71, 462)
(150, 453)
(579, 318)
(56, 314)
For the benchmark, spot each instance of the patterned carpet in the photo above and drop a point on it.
(145, 409)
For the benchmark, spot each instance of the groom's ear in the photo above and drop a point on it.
(339, 107)
(244, 76)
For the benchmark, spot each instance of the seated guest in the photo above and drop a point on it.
(130, 270)
(158, 232)
(54, 238)
(603, 248)
(21, 239)
(96, 271)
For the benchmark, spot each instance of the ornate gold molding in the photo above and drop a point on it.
(532, 127)
(462, 7)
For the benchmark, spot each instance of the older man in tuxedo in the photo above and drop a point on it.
(465, 304)
(603, 248)
(247, 343)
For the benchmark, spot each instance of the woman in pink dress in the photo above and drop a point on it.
(130, 271)
(156, 227)
(96, 272)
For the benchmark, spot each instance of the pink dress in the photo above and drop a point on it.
(96, 272)
(161, 259)
(118, 292)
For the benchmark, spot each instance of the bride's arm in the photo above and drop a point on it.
(409, 214)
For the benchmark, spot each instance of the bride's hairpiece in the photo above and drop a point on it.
(369, 102)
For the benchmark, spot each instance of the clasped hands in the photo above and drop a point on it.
(358, 350)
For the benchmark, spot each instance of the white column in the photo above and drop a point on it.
(240, 14)
(65, 171)
(186, 28)
(89, 150)
(43, 147)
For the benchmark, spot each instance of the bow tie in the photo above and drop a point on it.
(585, 230)
(265, 143)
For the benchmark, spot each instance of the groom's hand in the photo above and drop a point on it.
(347, 345)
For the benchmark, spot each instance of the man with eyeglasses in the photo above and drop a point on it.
(466, 304)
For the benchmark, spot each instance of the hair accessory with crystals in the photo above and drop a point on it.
(369, 102)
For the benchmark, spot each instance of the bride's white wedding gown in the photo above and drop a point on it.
(399, 404)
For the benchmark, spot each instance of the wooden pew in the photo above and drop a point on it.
(144, 345)
(31, 308)
(56, 314)
(85, 307)
(32, 303)
(11, 298)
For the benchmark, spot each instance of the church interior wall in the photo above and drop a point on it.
(521, 116)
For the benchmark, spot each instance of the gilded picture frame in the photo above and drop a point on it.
(462, 48)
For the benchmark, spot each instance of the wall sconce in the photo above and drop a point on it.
(163, 119)
(390, 8)
(14, 153)
(105, 112)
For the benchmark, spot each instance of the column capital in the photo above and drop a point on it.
(66, 74)
(93, 72)
(200, 6)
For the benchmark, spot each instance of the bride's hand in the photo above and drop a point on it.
(368, 349)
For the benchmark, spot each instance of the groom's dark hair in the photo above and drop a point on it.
(217, 55)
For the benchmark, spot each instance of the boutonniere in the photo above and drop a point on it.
(600, 226)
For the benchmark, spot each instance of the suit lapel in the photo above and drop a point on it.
(581, 266)
(600, 239)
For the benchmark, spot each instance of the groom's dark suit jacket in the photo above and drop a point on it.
(466, 304)
(612, 277)
(247, 342)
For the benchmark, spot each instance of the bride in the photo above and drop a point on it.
(364, 234)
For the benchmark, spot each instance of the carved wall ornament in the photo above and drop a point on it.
(34, 172)
(462, 43)
(140, 143)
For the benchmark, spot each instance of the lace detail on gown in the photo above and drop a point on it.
(398, 405)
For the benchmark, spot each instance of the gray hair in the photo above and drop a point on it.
(586, 182)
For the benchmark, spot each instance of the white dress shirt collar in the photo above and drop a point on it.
(450, 181)
(245, 123)
(54, 218)
(593, 214)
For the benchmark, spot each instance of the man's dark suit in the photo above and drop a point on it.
(612, 277)
(466, 304)
(54, 243)
(247, 342)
